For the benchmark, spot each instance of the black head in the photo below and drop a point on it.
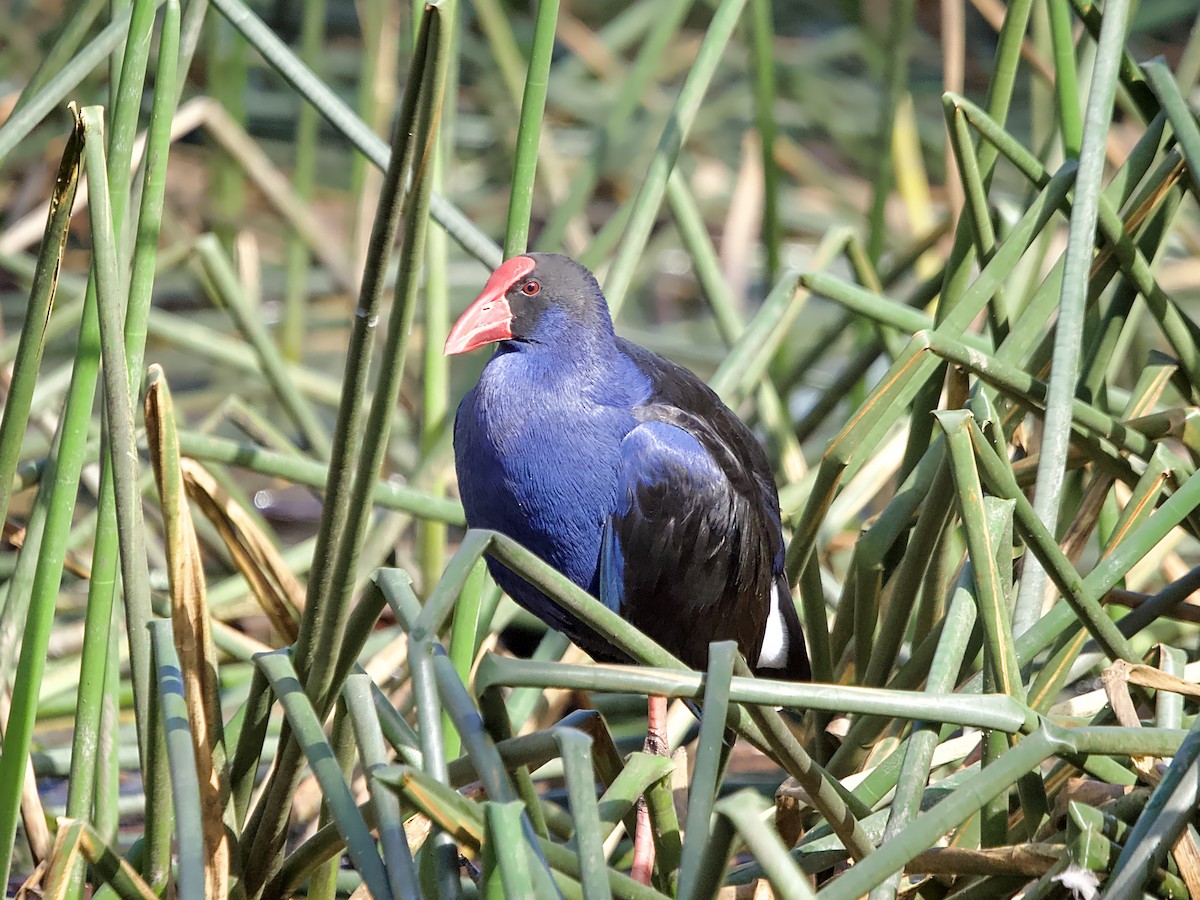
(537, 298)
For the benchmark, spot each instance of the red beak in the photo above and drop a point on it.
(489, 318)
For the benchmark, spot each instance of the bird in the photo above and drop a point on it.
(624, 471)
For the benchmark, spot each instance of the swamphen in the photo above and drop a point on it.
(623, 471)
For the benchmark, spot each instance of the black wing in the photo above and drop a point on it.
(693, 550)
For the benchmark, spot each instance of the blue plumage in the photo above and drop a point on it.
(620, 469)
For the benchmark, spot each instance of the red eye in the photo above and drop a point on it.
(530, 288)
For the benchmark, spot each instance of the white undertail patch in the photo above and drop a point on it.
(774, 652)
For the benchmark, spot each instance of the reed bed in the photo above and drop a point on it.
(250, 649)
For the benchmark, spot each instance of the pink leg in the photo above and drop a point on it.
(643, 838)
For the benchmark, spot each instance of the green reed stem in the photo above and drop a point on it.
(1068, 334)
(295, 302)
(529, 129)
(654, 185)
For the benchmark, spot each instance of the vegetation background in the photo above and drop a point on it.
(248, 648)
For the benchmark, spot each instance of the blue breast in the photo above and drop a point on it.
(537, 449)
